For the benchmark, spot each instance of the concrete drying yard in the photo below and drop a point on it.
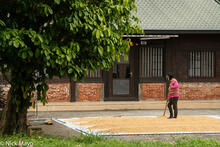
(118, 110)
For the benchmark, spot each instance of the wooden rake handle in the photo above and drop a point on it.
(165, 107)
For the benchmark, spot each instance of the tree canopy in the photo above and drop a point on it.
(64, 38)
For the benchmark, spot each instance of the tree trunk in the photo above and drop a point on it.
(13, 121)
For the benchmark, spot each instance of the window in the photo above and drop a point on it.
(201, 64)
(94, 74)
(151, 62)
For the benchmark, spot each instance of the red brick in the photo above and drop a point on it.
(199, 90)
(151, 91)
(59, 92)
(89, 91)
(188, 91)
(56, 92)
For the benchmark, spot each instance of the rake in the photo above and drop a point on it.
(165, 107)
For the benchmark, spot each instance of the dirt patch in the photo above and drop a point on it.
(142, 124)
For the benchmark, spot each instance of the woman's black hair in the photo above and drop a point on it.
(170, 75)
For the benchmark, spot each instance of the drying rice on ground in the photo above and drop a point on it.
(134, 124)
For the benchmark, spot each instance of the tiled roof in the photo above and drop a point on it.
(179, 14)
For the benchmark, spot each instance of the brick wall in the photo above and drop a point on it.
(59, 92)
(56, 92)
(188, 91)
(148, 91)
(89, 91)
(199, 90)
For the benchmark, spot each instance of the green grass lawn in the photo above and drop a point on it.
(96, 141)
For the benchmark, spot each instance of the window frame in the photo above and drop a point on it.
(144, 79)
(201, 78)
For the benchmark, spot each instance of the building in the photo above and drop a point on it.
(182, 36)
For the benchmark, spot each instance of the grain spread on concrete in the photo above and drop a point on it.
(133, 124)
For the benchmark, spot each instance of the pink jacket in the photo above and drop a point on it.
(174, 89)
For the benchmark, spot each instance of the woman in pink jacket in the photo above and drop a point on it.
(173, 95)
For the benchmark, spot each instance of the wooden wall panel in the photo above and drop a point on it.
(177, 49)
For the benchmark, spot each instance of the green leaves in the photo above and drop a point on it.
(46, 9)
(30, 53)
(100, 18)
(2, 23)
(16, 43)
(70, 71)
(97, 34)
(68, 57)
(100, 49)
(63, 37)
(24, 55)
(126, 57)
(125, 3)
(57, 2)
(40, 38)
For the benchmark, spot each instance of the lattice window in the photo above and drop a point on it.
(151, 62)
(94, 74)
(201, 64)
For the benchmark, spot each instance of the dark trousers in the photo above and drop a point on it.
(173, 101)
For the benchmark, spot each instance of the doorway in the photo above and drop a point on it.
(121, 79)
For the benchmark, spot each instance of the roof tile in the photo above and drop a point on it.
(179, 14)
